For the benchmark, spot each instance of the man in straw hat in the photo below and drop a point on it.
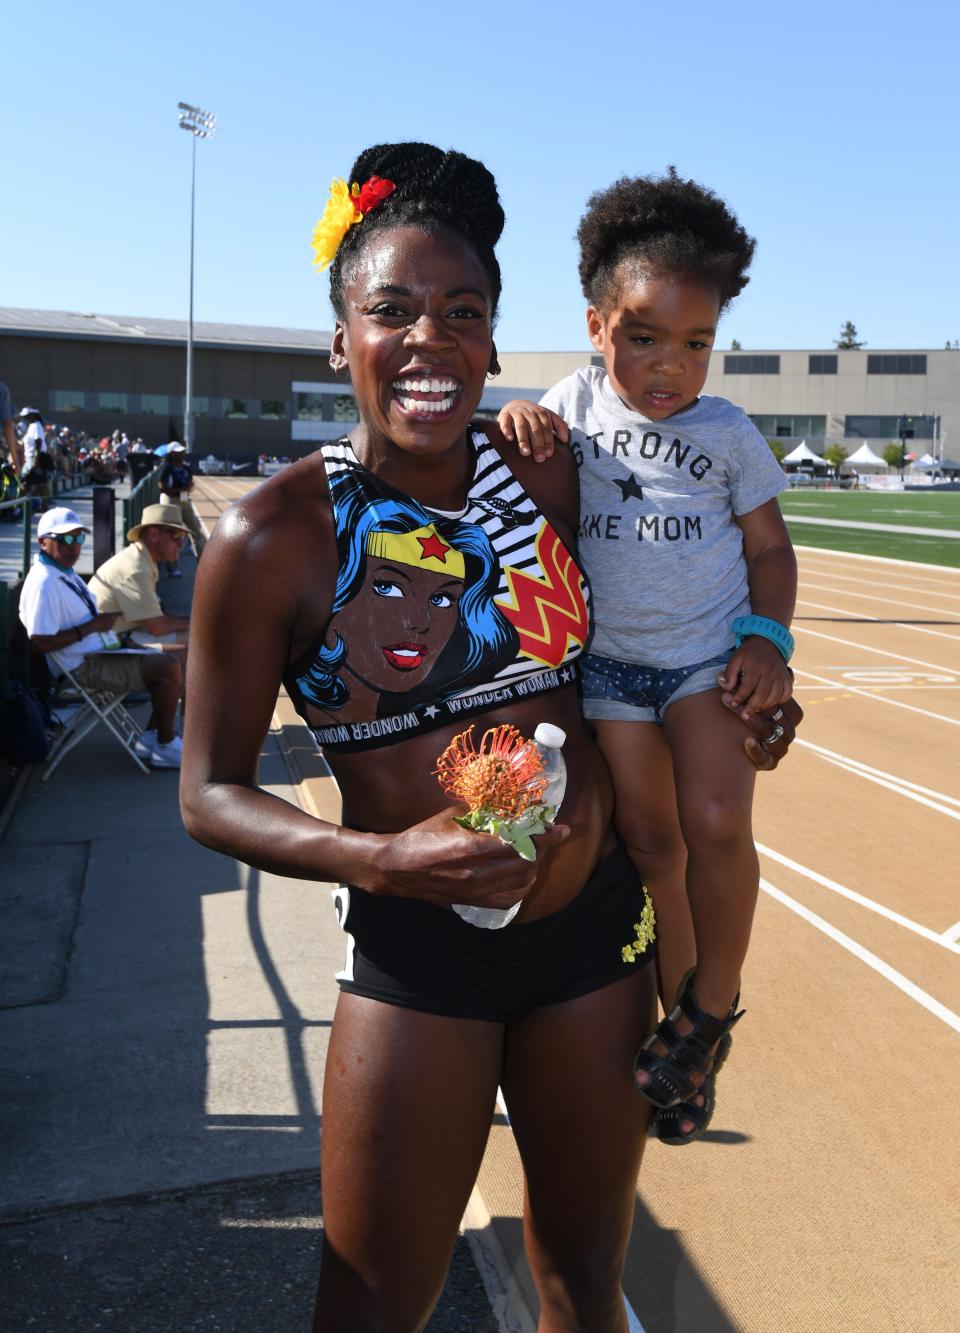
(64, 622)
(127, 582)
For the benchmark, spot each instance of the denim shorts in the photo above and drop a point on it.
(628, 692)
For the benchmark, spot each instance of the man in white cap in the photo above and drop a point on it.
(62, 620)
(127, 582)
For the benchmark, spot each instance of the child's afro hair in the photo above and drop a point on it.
(664, 224)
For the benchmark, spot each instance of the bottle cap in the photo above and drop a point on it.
(550, 736)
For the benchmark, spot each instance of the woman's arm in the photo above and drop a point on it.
(252, 586)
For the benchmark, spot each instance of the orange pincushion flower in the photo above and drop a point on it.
(504, 776)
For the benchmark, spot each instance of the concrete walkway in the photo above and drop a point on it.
(164, 1025)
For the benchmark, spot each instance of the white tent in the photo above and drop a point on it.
(864, 457)
(803, 455)
(926, 464)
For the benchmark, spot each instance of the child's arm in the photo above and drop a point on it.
(532, 428)
(756, 675)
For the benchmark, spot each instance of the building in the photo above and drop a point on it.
(99, 372)
(823, 397)
(271, 391)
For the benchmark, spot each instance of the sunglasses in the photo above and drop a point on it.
(71, 539)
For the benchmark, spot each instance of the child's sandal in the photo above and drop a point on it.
(667, 1122)
(671, 1072)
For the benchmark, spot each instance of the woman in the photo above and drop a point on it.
(433, 1013)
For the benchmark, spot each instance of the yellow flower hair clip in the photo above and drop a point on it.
(345, 208)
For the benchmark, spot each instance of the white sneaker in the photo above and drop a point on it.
(145, 744)
(167, 756)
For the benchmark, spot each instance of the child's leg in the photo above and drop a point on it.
(714, 783)
(646, 818)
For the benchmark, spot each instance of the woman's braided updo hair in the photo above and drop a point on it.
(666, 225)
(436, 191)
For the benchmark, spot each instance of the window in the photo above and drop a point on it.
(112, 402)
(889, 428)
(911, 363)
(201, 406)
(309, 406)
(273, 409)
(235, 408)
(345, 407)
(791, 428)
(751, 365)
(67, 400)
(155, 404)
(823, 365)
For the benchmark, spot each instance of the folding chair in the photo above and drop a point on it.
(96, 706)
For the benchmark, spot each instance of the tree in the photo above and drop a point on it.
(893, 454)
(834, 455)
(736, 347)
(848, 340)
(777, 449)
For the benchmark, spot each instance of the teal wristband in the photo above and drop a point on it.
(781, 638)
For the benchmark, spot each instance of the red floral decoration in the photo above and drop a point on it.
(372, 194)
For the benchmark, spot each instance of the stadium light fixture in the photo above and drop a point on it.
(201, 125)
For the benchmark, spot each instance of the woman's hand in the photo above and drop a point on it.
(441, 862)
(532, 428)
(772, 733)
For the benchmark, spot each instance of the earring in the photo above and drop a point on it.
(494, 370)
(338, 362)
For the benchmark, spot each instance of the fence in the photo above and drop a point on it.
(146, 492)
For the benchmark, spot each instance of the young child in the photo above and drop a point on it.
(694, 584)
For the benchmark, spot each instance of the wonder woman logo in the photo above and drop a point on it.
(547, 613)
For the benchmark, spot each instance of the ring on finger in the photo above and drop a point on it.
(775, 735)
(777, 715)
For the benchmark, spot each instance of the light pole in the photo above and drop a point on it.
(202, 125)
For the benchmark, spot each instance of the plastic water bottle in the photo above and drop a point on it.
(549, 741)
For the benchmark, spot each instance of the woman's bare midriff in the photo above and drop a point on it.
(391, 789)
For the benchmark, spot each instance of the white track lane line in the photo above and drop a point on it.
(878, 698)
(903, 983)
(633, 1323)
(900, 529)
(878, 652)
(860, 899)
(933, 800)
(862, 616)
(825, 571)
(952, 934)
(885, 599)
(917, 567)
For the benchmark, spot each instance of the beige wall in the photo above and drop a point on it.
(795, 392)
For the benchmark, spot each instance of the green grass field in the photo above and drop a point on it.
(928, 509)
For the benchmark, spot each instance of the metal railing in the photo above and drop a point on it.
(146, 492)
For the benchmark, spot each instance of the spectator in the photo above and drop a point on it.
(176, 483)
(38, 464)
(63, 622)
(127, 582)
(9, 434)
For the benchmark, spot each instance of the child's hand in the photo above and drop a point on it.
(756, 678)
(532, 428)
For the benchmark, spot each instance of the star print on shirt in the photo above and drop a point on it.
(433, 547)
(431, 712)
(628, 488)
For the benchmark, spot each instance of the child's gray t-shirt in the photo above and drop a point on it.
(657, 533)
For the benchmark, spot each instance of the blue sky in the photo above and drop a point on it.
(831, 129)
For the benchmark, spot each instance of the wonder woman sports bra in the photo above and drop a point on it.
(436, 616)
